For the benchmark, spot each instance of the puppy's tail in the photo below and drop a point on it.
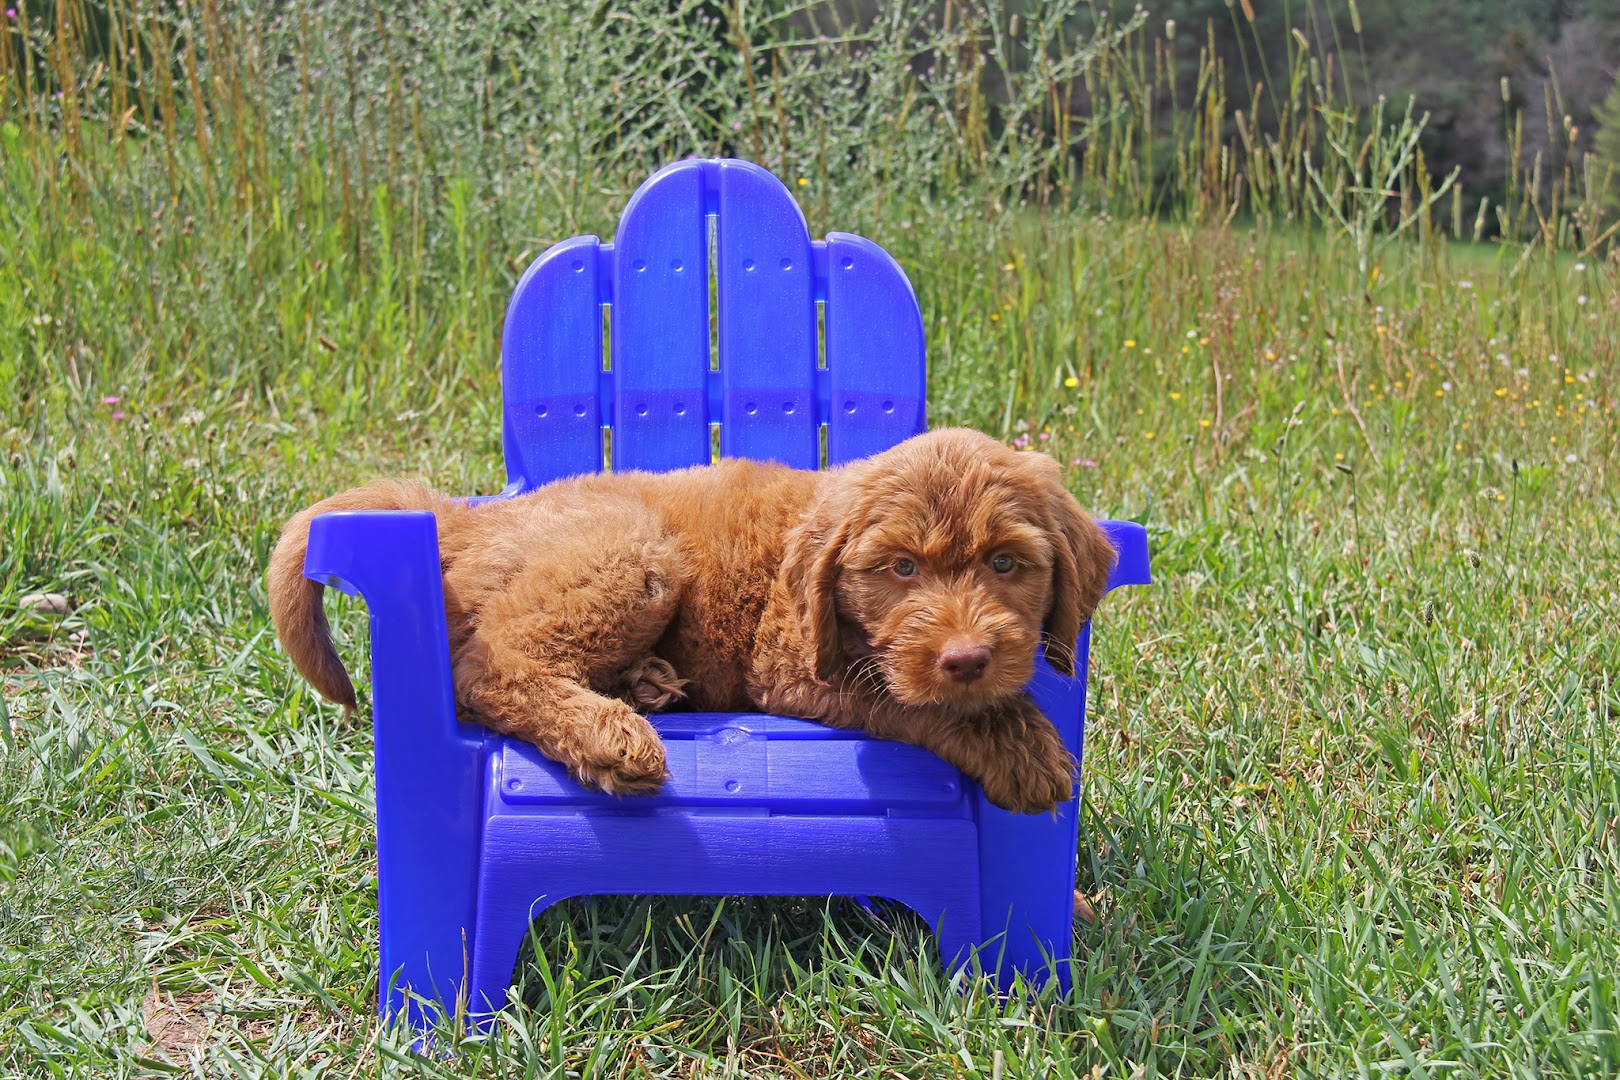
(295, 601)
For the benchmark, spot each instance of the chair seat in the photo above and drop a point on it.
(749, 763)
(755, 804)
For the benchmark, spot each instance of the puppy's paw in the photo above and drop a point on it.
(1030, 771)
(623, 756)
(654, 685)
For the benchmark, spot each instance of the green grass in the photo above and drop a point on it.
(1351, 795)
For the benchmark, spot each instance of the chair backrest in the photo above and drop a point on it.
(708, 330)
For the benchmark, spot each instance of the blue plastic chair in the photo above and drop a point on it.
(476, 833)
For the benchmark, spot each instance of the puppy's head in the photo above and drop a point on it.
(945, 561)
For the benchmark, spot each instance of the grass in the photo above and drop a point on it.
(1351, 795)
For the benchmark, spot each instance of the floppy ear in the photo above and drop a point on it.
(1084, 559)
(810, 564)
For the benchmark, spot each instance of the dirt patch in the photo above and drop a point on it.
(177, 1023)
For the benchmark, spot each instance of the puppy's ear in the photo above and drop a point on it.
(1084, 559)
(810, 564)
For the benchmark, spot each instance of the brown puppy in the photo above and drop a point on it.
(904, 594)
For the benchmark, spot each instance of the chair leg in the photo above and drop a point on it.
(500, 937)
(503, 925)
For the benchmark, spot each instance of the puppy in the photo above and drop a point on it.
(904, 594)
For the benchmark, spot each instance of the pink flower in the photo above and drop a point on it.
(11, 13)
(118, 414)
(1084, 463)
(111, 399)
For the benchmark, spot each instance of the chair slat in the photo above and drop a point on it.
(551, 364)
(660, 324)
(874, 351)
(767, 321)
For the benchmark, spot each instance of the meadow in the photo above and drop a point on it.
(1351, 796)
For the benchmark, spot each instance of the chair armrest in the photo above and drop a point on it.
(1130, 540)
(429, 766)
(1027, 862)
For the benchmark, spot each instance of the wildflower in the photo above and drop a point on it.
(1579, 267)
(1270, 355)
(1501, 391)
(1084, 463)
(1175, 395)
(736, 125)
(11, 13)
(1204, 422)
(1130, 343)
(118, 414)
(1203, 341)
(1071, 382)
(1581, 299)
(1570, 459)
(1149, 435)
(1008, 266)
(1446, 386)
(111, 399)
(803, 182)
(995, 316)
(1465, 284)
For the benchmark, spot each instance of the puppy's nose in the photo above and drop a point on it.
(964, 661)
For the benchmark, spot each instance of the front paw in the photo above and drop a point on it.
(1029, 770)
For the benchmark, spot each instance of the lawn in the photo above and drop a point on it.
(1351, 795)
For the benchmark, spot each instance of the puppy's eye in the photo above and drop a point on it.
(1002, 564)
(905, 568)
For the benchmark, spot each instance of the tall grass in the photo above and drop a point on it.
(1350, 785)
(232, 150)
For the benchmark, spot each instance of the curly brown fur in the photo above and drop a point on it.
(904, 594)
